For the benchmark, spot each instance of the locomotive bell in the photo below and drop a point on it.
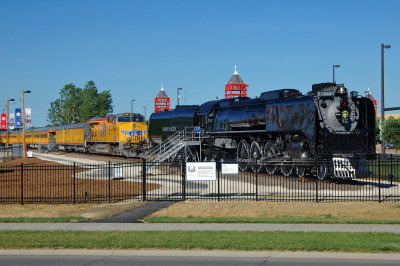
(341, 90)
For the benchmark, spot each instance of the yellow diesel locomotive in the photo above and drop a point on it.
(124, 134)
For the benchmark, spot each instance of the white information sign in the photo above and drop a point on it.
(29, 154)
(28, 119)
(205, 171)
(230, 169)
(118, 171)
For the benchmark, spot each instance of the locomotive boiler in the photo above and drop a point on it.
(281, 130)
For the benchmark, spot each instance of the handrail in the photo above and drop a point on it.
(165, 145)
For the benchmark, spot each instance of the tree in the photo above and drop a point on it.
(94, 103)
(391, 132)
(54, 115)
(65, 110)
(78, 105)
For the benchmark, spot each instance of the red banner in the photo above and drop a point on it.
(3, 121)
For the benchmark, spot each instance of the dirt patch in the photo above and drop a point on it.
(362, 210)
(51, 182)
(91, 211)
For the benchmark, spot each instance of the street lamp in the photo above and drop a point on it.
(23, 123)
(177, 91)
(383, 47)
(144, 112)
(7, 120)
(132, 105)
(333, 68)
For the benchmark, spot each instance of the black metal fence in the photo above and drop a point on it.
(52, 183)
(13, 151)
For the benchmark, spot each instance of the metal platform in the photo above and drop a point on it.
(181, 140)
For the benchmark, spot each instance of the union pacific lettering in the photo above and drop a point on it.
(134, 133)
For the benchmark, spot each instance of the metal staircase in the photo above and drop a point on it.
(171, 146)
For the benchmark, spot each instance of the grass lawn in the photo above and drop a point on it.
(222, 240)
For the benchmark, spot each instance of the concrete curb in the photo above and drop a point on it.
(202, 253)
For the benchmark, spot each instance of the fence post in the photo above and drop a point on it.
(22, 184)
(317, 180)
(144, 179)
(109, 181)
(218, 185)
(74, 184)
(256, 180)
(379, 176)
(183, 180)
(391, 169)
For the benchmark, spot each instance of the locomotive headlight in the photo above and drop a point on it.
(345, 114)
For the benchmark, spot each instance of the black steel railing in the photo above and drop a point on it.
(51, 183)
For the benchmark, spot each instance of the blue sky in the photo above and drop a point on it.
(131, 47)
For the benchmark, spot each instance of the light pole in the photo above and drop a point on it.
(333, 68)
(23, 123)
(144, 113)
(7, 120)
(383, 47)
(177, 91)
(132, 105)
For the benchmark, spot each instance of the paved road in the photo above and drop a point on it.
(174, 261)
(191, 257)
(201, 227)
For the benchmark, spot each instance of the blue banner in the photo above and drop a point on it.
(18, 118)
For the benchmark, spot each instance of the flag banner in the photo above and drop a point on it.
(11, 121)
(3, 121)
(28, 119)
(18, 119)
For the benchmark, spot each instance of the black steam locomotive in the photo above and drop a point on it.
(281, 129)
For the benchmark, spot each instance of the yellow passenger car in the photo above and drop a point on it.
(124, 134)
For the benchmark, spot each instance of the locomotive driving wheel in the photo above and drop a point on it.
(321, 171)
(243, 155)
(270, 154)
(300, 171)
(287, 168)
(255, 156)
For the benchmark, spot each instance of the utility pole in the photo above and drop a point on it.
(383, 47)
(333, 68)
(177, 91)
(23, 124)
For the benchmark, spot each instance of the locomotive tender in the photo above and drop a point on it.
(281, 129)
